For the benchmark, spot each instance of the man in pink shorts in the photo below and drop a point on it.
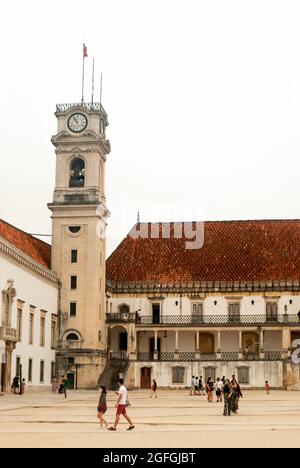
(121, 407)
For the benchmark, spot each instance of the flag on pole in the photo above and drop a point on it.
(85, 54)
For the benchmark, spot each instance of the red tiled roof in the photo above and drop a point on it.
(232, 251)
(29, 245)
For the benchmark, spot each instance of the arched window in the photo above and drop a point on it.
(77, 173)
(72, 337)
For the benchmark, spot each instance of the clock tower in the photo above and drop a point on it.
(78, 240)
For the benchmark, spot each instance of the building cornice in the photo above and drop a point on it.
(26, 262)
(203, 287)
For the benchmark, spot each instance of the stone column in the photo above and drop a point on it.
(197, 342)
(155, 346)
(197, 345)
(240, 344)
(286, 351)
(218, 341)
(261, 344)
(9, 347)
(219, 344)
(131, 342)
(176, 341)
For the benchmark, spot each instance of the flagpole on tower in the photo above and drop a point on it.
(84, 54)
(93, 75)
(100, 91)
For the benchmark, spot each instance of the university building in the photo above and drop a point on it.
(230, 307)
(154, 308)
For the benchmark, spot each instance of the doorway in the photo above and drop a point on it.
(152, 348)
(70, 377)
(146, 377)
(155, 313)
(3, 377)
(123, 341)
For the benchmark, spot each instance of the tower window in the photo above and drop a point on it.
(73, 282)
(73, 256)
(73, 309)
(72, 337)
(74, 229)
(77, 173)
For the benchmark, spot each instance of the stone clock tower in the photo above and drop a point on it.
(78, 240)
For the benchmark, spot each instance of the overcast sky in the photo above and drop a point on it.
(203, 100)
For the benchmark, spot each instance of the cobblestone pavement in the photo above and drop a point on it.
(174, 419)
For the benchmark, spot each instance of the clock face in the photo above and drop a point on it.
(77, 122)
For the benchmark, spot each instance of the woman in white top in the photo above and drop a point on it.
(219, 388)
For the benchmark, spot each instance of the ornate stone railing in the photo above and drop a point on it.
(118, 355)
(90, 106)
(8, 334)
(121, 317)
(188, 356)
(214, 320)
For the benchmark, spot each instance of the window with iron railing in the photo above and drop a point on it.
(197, 312)
(234, 312)
(272, 311)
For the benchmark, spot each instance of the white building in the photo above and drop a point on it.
(28, 312)
(229, 307)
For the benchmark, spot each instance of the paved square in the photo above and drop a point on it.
(172, 420)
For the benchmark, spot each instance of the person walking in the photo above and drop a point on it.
(227, 398)
(153, 389)
(54, 385)
(196, 392)
(23, 385)
(201, 386)
(192, 390)
(65, 386)
(102, 406)
(267, 387)
(210, 390)
(61, 385)
(121, 407)
(16, 384)
(219, 387)
(236, 395)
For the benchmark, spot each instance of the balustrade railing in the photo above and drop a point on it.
(118, 355)
(230, 356)
(213, 320)
(273, 355)
(144, 356)
(90, 106)
(121, 317)
(187, 356)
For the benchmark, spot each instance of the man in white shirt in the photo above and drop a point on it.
(121, 407)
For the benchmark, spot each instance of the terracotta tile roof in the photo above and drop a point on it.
(29, 245)
(267, 250)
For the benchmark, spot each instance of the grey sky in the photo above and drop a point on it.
(203, 100)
